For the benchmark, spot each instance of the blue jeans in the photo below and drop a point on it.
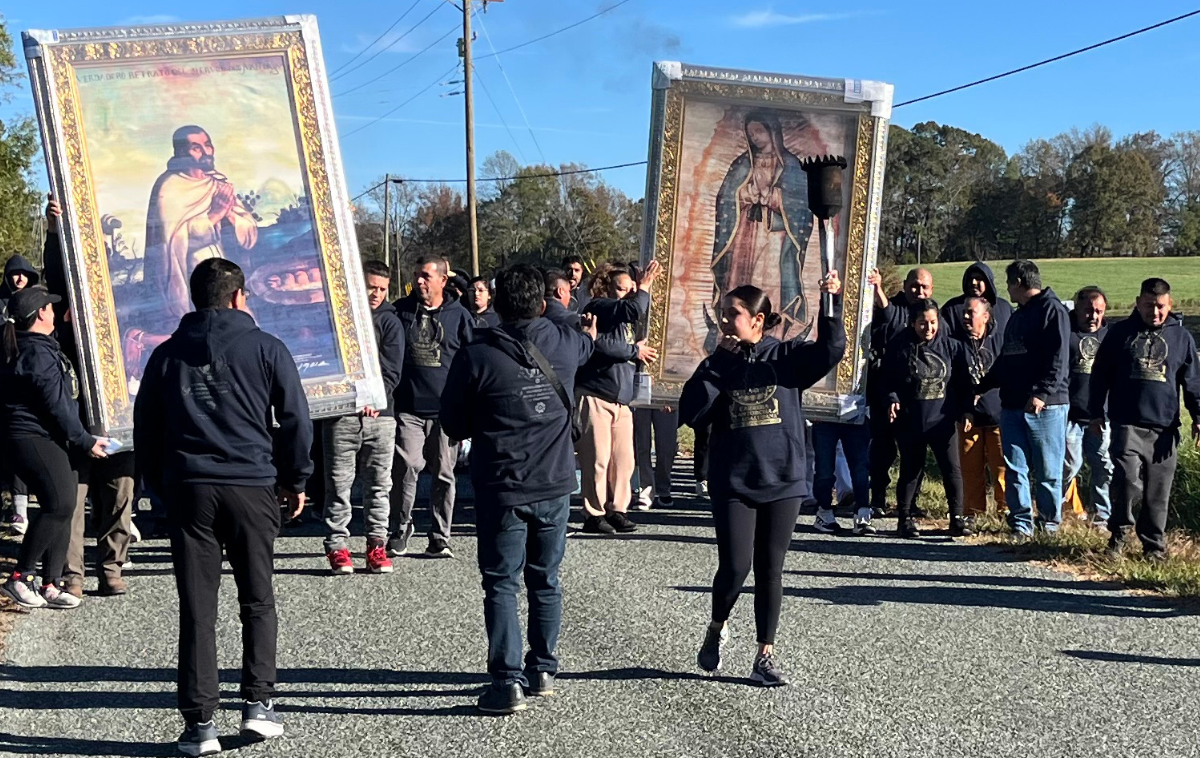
(856, 444)
(1082, 444)
(530, 539)
(1034, 446)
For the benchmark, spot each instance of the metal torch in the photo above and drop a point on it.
(825, 201)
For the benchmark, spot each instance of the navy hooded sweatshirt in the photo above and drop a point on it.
(432, 337)
(1139, 370)
(978, 357)
(520, 431)
(557, 313)
(752, 399)
(1084, 346)
(952, 311)
(886, 324)
(389, 337)
(486, 320)
(39, 394)
(204, 411)
(927, 380)
(609, 375)
(1034, 356)
(16, 264)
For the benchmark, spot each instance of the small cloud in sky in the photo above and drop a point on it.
(157, 18)
(769, 17)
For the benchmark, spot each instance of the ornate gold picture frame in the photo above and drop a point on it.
(727, 204)
(170, 144)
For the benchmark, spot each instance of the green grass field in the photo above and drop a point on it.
(1119, 277)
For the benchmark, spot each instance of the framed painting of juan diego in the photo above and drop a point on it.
(727, 204)
(171, 144)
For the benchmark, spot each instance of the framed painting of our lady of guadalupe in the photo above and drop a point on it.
(171, 144)
(727, 204)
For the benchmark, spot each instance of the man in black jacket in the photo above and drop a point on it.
(558, 299)
(1088, 330)
(1141, 366)
(1031, 373)
(203, 439)
(979, 444)
(574, 267)
(523, 470)
(368, 437)
(435, 329)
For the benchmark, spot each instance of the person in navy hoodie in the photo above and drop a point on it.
(1141, 367)
(749, 390)
(523, 471)
(435, 328)
(221, 431)
(924, 372)
(479, 297)
(979, 446)
(1088, 330)
(977, 282)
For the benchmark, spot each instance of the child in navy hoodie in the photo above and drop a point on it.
(749, 391)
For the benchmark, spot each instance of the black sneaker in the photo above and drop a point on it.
(260, 721)
(767, 673)
(437, 549)
(1116, 549)
(709, 657)
(541, 684)
(919, 513)
(597, 525)
(620, 522)
(826, 522)
(397, 544)
(664, 501)
(502, 699)
(1155, 556)
(199, 739)
(960, 526)
(907, 529)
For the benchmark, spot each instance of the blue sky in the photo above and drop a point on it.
(586, 94)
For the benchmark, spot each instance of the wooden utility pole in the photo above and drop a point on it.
(387, 223)
(470, 106)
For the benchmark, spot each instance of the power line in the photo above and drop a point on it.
(495, 107)
(402, 64)
(425, 89)
(516, 99)
(532, 176)
(557, 32)
(1050, 60)
(377, 39)
(390, 45)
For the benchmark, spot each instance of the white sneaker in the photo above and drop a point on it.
(23, 592)
(826, 522)
(645, 498)
(862, 523)
(702, 489)
(135, 535)
(56, 598)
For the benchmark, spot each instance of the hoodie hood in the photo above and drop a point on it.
(19, 264)
(980, 269)
(210, 333)
(385, 307)
(503, 339)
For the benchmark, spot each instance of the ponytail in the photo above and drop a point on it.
(757, 302)
(10, 342)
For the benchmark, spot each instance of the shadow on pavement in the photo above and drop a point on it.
(20, 745)
(1097, 655)
(995, 581)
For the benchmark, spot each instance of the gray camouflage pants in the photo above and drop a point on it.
(354, 443)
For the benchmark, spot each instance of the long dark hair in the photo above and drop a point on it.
(756, 302)
(9, 337)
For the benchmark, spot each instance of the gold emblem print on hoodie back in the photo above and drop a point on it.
(1089, 344)
(754, 402)
(425, 340)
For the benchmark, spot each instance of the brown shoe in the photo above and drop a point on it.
(112, 586)
(74, 586)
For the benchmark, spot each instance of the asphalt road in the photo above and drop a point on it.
(894, 648)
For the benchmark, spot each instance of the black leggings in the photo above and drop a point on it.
(46, 469)
(943, 441)
(757, 534)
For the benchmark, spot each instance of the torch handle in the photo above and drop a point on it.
(828, 247)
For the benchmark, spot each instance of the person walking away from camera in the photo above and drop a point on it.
(605, 389)
(576, 272)
(924, 371)
(979, 446)
(480, 305)
(558, 300)
(435, 329)
(890, 317)
(39, 410)
(508, 401)
(1143, 364)
(363, 445)
(18, 274)
(977, 281)
(203, 439)
(1032, 374)
(1088, 330)
(749, 390)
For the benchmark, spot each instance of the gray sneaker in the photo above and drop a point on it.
(397, 544)
(24, 592)
(709, 657)
(767, 672)
(57, 598)
(199, 739)
(260, 721)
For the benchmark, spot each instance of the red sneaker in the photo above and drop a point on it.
(340, 561)
(378, 561)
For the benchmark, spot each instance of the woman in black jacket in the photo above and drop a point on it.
(39, 408)
(479, 303)
(749, 392)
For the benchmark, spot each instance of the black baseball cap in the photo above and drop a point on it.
(25, 303)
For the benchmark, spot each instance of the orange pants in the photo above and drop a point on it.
(605, 455)
(980, 450)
